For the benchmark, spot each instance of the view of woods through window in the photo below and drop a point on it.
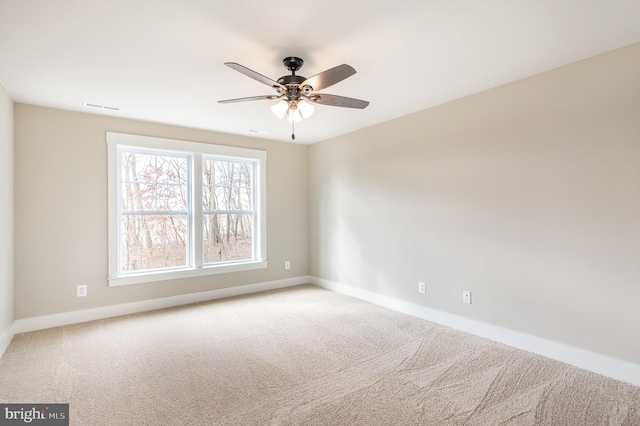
(227, 210)
(156, 210)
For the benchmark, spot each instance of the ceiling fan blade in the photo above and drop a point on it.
(250, 98)
(340, 101)
(256, 76)
(328, 78)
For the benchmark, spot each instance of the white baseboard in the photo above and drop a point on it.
(74, 317)
(601, 364)
(5, 338)
(597, 363)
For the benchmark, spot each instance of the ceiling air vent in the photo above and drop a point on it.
(98, 106)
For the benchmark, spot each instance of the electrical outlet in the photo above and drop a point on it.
(81, 291)
(421, 287)
(466, 297)
(287, 265)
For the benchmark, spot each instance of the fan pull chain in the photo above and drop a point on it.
(293, 134)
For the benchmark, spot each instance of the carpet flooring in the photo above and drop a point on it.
(299, 356)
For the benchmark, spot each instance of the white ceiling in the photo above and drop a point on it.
(162, 60)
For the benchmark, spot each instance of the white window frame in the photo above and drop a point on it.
(195, 150)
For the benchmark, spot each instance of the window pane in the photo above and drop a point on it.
(138, 167)
(243, 172)
(171, 169)
(226, 198)
(208, 174)
(154, 182)
(222, 197)
(227, 237)
(227, 185)
(223, 172)
(138, 196)
(171, 197)
(153, 242)
(208, 198)
(154, 197)
(244, 199)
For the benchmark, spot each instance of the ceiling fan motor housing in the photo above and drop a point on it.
(291, 79)
(292, 63)
(292, 82)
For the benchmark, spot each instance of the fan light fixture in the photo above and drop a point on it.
(294, 111)
(281, 108)
(296, 94)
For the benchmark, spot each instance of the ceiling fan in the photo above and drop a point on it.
(296, 94)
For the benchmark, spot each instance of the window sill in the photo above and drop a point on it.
(175, 274)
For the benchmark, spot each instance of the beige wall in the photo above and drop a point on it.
(528, 195)
(61, 211)
(6, 210)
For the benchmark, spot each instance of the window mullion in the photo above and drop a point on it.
(196, 219)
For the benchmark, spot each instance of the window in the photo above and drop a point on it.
(180, 209)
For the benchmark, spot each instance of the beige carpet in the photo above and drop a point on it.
(301, 356)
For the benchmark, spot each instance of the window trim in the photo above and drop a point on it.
(197, 150)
